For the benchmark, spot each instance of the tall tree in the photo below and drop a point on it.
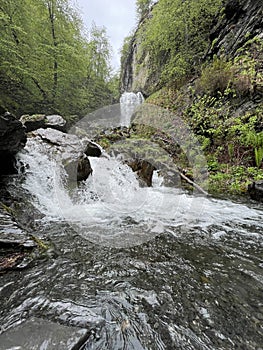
(46, 60)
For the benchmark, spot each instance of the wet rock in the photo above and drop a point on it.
(255, 190)
(79, 169)
(37, 121)
(36, 334)
(171, 177)
(92, 150)
(67, 147)
(231, 31)
(12, 140)
(56, 122)
(143, 169)
(33, 122)
(15, 244)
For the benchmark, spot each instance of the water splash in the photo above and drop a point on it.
(112, 208)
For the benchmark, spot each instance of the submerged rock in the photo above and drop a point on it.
(255, 190)
(42, 334)
(12, 140)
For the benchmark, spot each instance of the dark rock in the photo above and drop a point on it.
(233, 9)
(143, 169)
(79, 169)
(92, 150)
(84, 168)
(12, 140)
(171, 177)
(15, 244)
(242, 17)
(255, 190)
(33, 122)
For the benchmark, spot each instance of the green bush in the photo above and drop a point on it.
(216, 77)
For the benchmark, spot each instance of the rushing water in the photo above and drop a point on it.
(140, 268)
(132, 268)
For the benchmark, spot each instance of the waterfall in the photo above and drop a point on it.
(105, 205)
(128, 103)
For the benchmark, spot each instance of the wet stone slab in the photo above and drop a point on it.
(35, 334)
(15, 244)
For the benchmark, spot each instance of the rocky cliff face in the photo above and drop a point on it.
(136, 73)
(242, 20)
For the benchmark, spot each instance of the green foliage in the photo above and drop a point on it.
(177, 35)
(47, 63)
(233, 180)
(256, 141)
(216, 76)
(248, 65)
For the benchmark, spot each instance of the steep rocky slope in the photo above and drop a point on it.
(238, 22)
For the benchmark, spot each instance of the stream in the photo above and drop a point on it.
(132, 267)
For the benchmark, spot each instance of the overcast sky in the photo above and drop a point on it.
(118, 16)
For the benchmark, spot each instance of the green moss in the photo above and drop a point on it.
(40, 243)
(233, 180)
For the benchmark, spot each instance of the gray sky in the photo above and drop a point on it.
(118, 16)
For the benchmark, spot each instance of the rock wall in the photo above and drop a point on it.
(240, 21)
(136, 72)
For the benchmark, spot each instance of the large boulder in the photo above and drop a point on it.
(65, 147)
(12, 140)
(37, 121)
(255, 190)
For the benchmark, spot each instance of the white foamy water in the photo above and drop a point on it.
(110, 203)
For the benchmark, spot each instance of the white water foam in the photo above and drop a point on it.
(110, 204)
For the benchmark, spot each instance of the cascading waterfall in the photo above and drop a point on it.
(112, 195)
(128, 103)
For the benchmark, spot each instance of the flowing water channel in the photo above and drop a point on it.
(137, 268)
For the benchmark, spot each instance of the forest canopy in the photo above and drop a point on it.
(49, 64)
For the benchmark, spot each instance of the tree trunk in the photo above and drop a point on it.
(51, 10)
